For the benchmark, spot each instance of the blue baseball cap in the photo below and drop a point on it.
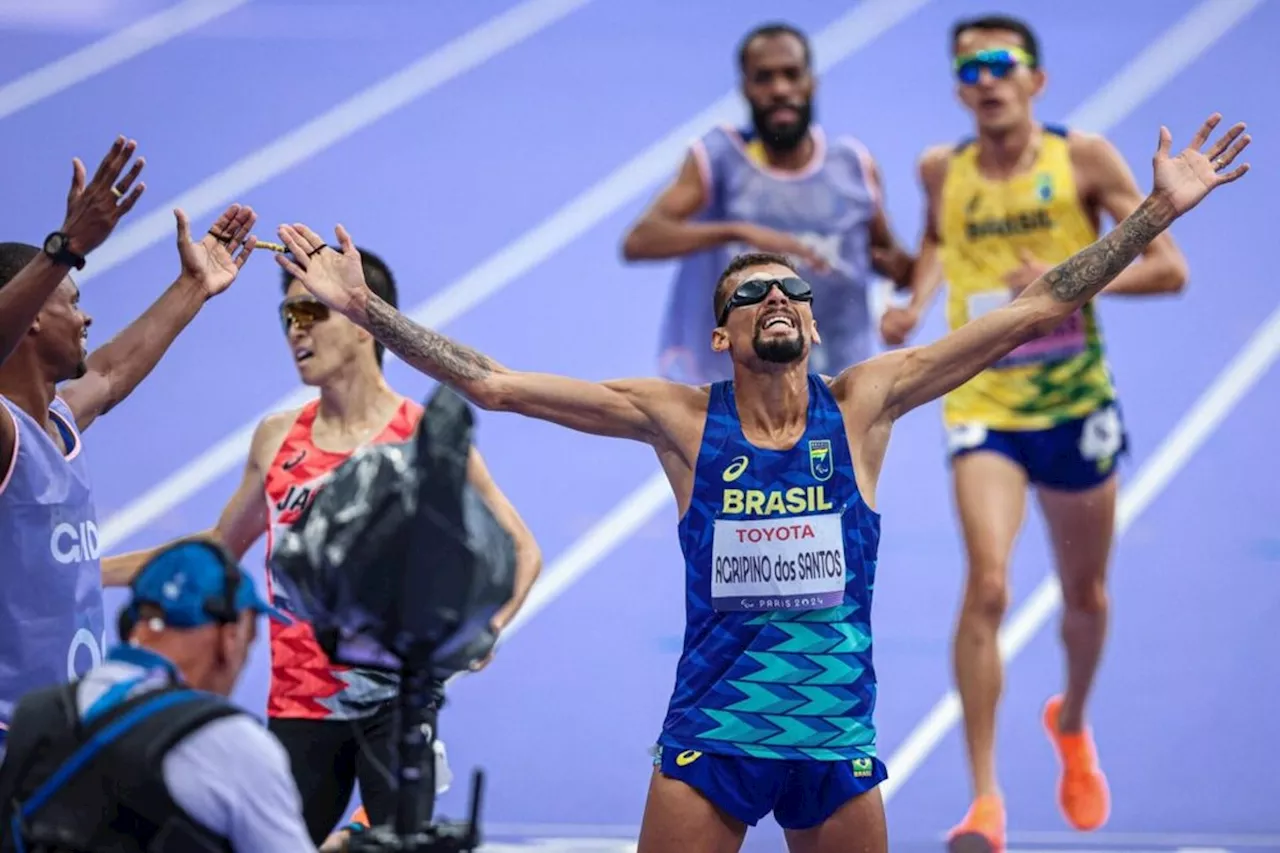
(189, 582)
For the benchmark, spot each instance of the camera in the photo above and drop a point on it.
(399, 565)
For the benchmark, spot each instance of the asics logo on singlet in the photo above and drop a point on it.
(735, 469)
(74, 543)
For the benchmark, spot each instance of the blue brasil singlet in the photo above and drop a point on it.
(780, 559)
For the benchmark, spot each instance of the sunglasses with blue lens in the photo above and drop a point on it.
(756, 290)
(1000, 63)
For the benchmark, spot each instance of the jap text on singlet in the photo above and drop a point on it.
(51, 611)
(828, 206)
(780, 560)
(304, 683)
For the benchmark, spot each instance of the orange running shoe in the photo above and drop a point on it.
(1083, 795)
(982, 830)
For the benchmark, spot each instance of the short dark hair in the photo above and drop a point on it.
(742, 262)
(1030, 43)
(380, 280)
(13, 257)
(769, 30)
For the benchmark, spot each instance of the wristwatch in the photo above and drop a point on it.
(58, 247)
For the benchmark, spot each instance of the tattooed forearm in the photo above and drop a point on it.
(435, 355)
(1085, 273)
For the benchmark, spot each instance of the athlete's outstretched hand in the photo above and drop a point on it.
(214, 261)
(334, 276)
(93, 209)
(1190, 176)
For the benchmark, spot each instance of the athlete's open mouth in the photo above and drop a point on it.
(301, 355)
(778, 321)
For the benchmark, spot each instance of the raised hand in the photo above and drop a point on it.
(214, 261)
(94, 209)
(1184, 180)
(334, 276)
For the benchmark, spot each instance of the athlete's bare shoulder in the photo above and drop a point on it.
(1095, 160)
(936, 156)
(675, 411)
(931, 170)
(668, 403)
(931, 166)
(862, 390)
(656, 391)
(269, 435)
(1085, 141)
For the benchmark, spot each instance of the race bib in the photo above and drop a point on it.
(778, 564)
(1065, 341)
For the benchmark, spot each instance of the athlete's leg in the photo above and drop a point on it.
(376, 767)
(856, 827)
(990, 496)
(679, 819)
(1081, 524)
(323, 765)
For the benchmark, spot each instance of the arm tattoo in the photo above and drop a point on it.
(431, 352)
(1089, 270)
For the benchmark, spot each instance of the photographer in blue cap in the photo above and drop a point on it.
(145, 752)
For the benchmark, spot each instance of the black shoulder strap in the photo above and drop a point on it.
(122, 749)
(99, 734)
(143, 802)
(31, 732)
(184, 719)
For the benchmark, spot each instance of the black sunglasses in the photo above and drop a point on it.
(754, 291)
(304, 311)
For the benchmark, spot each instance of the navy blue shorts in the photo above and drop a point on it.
(801, 794)
(1072, 456)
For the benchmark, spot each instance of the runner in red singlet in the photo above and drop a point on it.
(336, 723)
(304, 684)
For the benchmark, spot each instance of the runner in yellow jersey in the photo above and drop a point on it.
(1002, 208)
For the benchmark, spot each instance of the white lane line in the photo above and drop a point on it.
(110, 51)
(379, 100)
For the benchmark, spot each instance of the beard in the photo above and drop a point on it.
(76, 370)
(779, 350)
(786, 137)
